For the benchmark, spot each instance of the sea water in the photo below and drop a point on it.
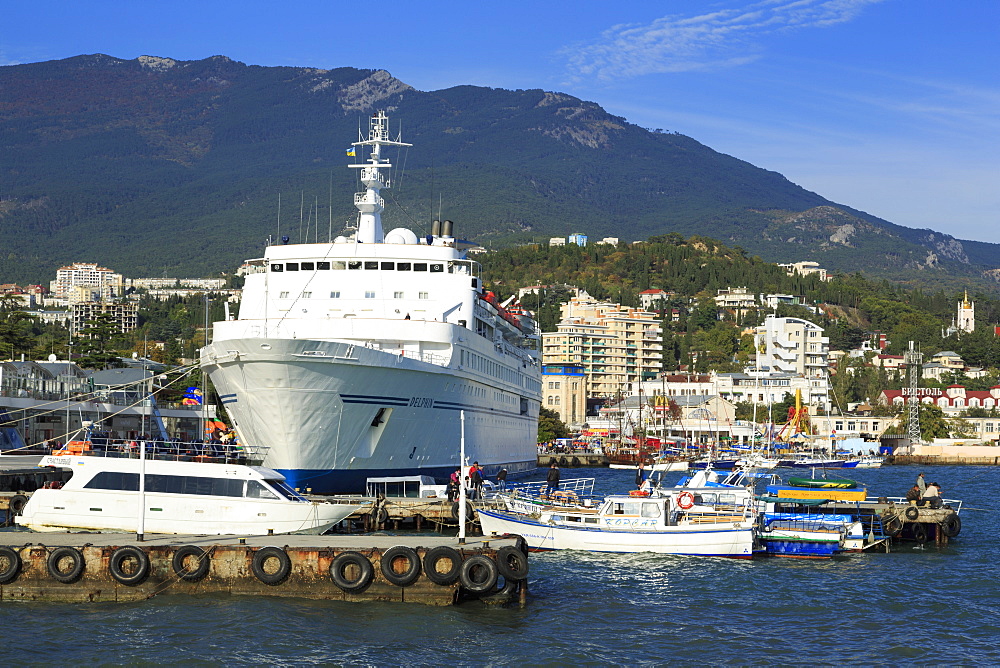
(917, 604)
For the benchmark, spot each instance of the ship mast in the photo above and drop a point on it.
(369, 202)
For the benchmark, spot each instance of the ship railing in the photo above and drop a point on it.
(181, 451)
(430, 358)
(572, 492)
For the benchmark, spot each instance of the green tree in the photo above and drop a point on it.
(550, 426)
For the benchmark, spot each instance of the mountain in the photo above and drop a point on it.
(155, 166)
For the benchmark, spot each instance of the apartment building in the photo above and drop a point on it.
(103, 282)
(615, 345)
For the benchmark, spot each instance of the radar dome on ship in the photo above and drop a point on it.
(340, 240)
(401, 235)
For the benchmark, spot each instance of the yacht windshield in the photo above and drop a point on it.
(282, 488)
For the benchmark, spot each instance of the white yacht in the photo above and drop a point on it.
(356, 358)
(180, 497)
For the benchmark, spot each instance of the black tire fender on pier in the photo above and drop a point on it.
(919, 533)
(263, 557)
(912, 513)
(892, 526)
(355, 561)
(65, 564)
(129, 565)
(16, 504)
(522, 545)
(478, 574)
(10, 564)
(379, 515)
(179, 562)
(470, 510)
(512, 564)
(434, 557)
(951, 527)
(387, 564)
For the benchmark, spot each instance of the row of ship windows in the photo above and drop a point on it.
(335, 294)
(369, 265)
(480, 363)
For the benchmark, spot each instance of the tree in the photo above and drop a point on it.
(550, 427)
(932, 422)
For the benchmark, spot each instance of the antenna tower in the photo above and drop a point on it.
(913, 359)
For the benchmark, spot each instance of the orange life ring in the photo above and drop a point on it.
(685, 500)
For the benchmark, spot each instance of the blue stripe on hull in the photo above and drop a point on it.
(352, 481)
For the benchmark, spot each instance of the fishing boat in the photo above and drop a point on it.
(358, 357)
(816, 518)
(683, 521)
(177, 497)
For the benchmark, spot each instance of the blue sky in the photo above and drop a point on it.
(889, 106)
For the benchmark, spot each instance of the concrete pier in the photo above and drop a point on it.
(90, 567)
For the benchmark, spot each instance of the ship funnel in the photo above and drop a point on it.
(436, 228)
(447, 228)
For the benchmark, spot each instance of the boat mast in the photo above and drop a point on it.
(369, 202)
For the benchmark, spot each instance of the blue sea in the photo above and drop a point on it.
(918, 605)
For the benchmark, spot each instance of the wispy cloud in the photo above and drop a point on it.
(724, 38)
(4, 60)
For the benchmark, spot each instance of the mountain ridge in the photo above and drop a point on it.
(155, 164)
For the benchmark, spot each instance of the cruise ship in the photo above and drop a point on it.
(376, 354)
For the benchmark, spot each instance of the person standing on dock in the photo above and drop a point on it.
(921, 483)
(552, 479)
(502, 480)
(476, 476)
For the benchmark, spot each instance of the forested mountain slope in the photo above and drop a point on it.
(155, 166)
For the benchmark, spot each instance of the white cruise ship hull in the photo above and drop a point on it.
(332, 414)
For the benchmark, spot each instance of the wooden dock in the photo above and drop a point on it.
(578, 460)
(91, 567)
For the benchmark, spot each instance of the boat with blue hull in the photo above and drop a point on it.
(374, 354)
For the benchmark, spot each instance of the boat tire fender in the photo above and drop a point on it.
(919, 533)
(892, 526)
(387, 565)
(435, 556)
(261, 558)
(338, 572)
(58, 558)
(16, 504)
(950, 527)
(137, 569)
(12, 559)
(912, 513)
(478, 574)
(181, 558)
(685, 500)
(470, 510)
(522, 545)
(512, 564)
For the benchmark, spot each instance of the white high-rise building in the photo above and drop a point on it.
(798, 348)
(105, 282)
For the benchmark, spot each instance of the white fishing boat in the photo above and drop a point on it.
(354, 358)
(683, 521)
(178, 497)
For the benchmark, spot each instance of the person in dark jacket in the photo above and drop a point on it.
(640, 476)
(552, 479)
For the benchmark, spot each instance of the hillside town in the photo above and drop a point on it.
(607, 375)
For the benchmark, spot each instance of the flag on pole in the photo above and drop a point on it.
(350, 151)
